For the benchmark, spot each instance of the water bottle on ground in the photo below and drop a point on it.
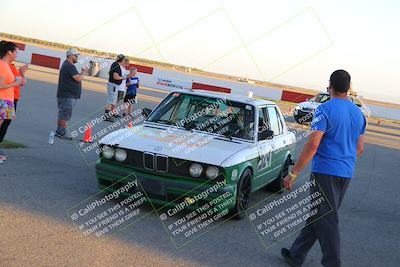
(51, 138)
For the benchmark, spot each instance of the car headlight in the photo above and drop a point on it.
(108, 152)
(120, 154)
(195, 170)
(212, 172)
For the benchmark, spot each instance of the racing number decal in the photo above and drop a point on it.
(265, 159)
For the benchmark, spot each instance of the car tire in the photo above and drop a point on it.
(277, 185)
(242, 196)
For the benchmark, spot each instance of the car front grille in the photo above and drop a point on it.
(161, 163)
(148, 161)
(155, 162)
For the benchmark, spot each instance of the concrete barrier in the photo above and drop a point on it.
(385, 112)
(295, 97)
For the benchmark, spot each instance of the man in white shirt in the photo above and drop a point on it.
(122, 87)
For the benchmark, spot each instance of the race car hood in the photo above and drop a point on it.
(177, 143)
(309, 105)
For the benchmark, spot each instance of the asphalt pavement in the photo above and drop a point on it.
(40, 183)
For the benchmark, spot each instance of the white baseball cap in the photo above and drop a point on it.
(72, 51)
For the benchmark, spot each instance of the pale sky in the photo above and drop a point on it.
(296, 42)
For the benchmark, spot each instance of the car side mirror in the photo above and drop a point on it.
(265, 135)
(146, 112)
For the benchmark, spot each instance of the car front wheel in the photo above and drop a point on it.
(242, 196)
(277, 184)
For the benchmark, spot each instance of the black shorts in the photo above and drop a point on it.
(130, 98)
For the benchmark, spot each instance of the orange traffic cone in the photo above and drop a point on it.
(88, 134)
(130, 124)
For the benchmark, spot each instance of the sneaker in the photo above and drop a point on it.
(109, 119)
(117, 116)
(63, 136)
(286, 255)
(3, 154)
(2, 158)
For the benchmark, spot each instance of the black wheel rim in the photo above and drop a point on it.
(284, 173)
(244, 192)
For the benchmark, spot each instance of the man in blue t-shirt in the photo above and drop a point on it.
(336, 140)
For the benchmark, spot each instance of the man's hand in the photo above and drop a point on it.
(309, 150)
(85, 70)
(289, 181)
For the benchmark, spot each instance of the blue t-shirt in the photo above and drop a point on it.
(132, 88)
(343, 123)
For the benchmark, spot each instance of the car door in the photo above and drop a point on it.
(264, 148)
(279, 141)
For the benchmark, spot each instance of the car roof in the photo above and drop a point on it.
(237, 98)
(351, 95)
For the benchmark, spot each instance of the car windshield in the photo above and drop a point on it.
(321, 98)
(207, 114)
(357, 101)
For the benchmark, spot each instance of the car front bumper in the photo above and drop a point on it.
(161, 189)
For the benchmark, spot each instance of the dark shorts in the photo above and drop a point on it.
(130, 98)
(65, 107)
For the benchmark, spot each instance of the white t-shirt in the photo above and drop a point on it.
(122, 86)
